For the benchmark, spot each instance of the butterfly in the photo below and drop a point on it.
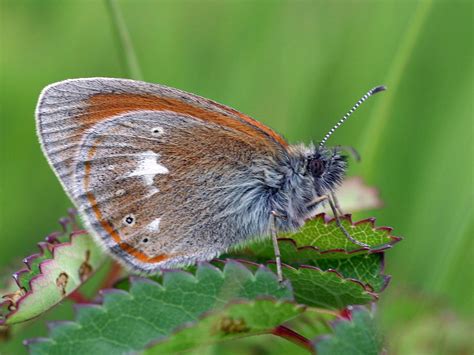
(164, 178)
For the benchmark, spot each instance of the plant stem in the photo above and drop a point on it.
(78, 297)
(127, 52)
(112, 276)
(291, 335)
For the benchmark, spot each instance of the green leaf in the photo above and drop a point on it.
(321, 238)
(330, 277)
(127, 321)
(66, 260)
(326, 289)
(68, 226)
(356, 336)
(238, 320)
(327, 237)
(367, 268)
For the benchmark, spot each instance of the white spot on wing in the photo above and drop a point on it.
(154, 226)
(153, 190)
(148, 167)
(157, 131)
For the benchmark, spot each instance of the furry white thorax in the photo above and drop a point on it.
(288, 186)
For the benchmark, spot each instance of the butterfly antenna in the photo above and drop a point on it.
(347, 115)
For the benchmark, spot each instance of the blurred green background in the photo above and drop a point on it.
(297, 66)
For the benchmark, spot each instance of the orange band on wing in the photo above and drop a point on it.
(109, 228)
(141, 256)
(115, 104)
(104, 106)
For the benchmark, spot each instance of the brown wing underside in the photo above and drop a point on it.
(67, 110)
(173, 186)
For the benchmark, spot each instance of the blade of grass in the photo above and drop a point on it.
(127, 52)
(378, 120)
(441, 276)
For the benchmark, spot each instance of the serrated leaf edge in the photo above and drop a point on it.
(210, 313)
(339, 320)
(366, 287)
(52, 244)
(100, 301)
(327, 220)
(8, 303)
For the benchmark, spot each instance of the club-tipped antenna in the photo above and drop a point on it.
(347, 115)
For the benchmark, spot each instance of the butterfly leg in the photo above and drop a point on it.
(276, 249)
(341, 227)
(336, 203)
(335, 207)
(316, 201)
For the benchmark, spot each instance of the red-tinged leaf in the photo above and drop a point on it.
(65, 261)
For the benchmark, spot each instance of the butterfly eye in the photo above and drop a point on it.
(316, 167)
(157, 131)
(145, 240)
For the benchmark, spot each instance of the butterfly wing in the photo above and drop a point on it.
(162, 177)
(68, 109)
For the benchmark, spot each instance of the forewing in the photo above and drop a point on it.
(67, 110)
(153, 186)
(153, 170)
